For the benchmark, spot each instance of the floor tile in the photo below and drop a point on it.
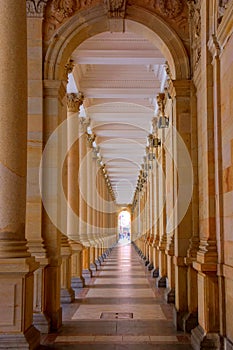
(121, 285)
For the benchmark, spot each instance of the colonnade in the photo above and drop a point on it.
(41, 263)
(57, 213)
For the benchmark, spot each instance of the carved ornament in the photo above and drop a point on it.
(171, 8)
(222, 6)
(195, 22)
(116, 8)
(59, 11)
(35, 8)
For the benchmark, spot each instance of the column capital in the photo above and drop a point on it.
(35, 8)
(74, 101)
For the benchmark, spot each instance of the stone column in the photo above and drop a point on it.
(16, 264)
(161, 280)
(54, 113)
(74, 101)
(83, 185)
(182, 184)
(35, 149)
(206, 335)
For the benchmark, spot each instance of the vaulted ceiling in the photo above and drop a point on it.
(120, 75)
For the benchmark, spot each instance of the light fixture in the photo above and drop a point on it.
(163, 121)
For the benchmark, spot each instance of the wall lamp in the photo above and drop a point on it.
(163, 121)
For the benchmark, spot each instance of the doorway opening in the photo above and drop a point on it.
(124, 226)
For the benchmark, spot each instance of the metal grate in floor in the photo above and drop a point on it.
(116, 315)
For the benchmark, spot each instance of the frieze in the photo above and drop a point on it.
(175, 12)
(35, 8)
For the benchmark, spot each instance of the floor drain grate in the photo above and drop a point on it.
(116, 315)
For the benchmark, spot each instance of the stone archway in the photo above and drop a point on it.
(88, 23)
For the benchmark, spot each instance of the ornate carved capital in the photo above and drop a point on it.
(74, 101)
(69, 67)
(35, 8)
(116, 8)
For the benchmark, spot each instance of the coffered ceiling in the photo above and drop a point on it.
(120, 75)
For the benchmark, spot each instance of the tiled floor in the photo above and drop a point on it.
(97, 319)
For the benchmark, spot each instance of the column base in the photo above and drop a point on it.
(155, 273)
(86, 273)
(150, 267)
(204, 341)
(170, 296)
(93, 269)
(77, 282)
(190, 321)
(24, 341)
(178, 319)
(161, 282)
(41, 322)
(98, 264)
(56, 319)
(67, 295)
(228, 345)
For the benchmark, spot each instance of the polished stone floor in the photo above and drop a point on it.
(119, 309)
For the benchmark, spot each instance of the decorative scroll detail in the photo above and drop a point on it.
(222, 6)
(74, 101)
(171, 8)
(35, 8)
(116, 8)
(195, 28)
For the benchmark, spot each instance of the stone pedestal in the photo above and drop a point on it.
(16, 302)
(67, 293)
(77, 281)
(155, 272)
(40, 320)
(170, 296)
(204, 341)
(161, 282)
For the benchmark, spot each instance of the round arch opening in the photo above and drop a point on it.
(95, 21)
(124, 226)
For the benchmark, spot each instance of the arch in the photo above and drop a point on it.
(88, 23)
